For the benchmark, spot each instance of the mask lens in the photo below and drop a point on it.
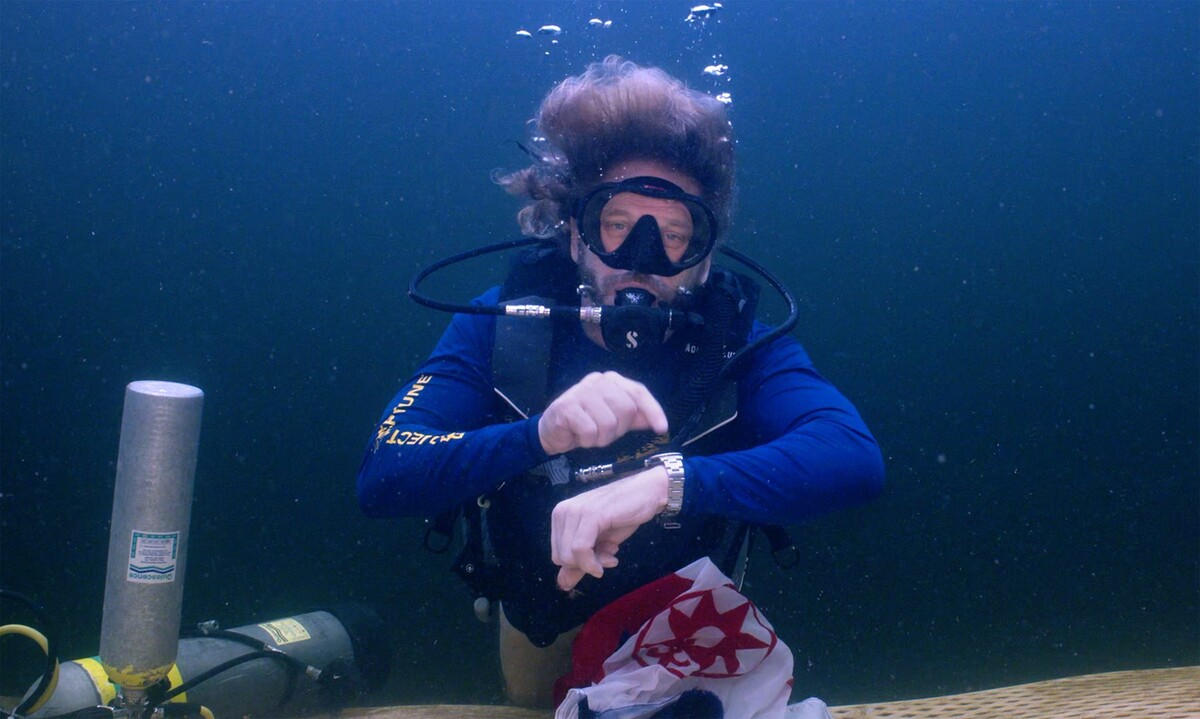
(616, 215)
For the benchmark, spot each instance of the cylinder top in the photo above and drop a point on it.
(165, 389)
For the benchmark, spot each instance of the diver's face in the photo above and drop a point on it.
(622, 212)
(619, 216)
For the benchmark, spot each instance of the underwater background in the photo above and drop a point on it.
(990, 213)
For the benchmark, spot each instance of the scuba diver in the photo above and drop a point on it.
(648, 419)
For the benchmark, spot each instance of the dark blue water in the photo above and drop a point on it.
(990, 213)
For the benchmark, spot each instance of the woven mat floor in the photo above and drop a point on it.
(1143, 694)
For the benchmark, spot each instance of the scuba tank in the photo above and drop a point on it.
(314, 662)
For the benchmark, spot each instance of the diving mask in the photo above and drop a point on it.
(664, 235)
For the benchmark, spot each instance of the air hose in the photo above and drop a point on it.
(49, 679)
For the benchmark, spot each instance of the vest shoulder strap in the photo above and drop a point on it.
(521, 354)
(521, 359)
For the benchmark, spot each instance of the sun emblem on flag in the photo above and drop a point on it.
(715, 633)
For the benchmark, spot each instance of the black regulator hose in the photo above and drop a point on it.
(455, 259)
(293, 664)
(700, 375)
(787, 326)
(48, 672)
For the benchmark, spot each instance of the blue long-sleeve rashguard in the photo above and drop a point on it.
(803, 448)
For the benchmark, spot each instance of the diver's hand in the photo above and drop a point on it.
(586, 530)
(597, 411)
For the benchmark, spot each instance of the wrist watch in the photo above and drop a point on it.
(673, 463)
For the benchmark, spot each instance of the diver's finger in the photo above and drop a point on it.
(583, 550)
(606, 553)
(650, 412)
(563, 523)
(568, 578)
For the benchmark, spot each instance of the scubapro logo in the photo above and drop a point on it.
(631, 339)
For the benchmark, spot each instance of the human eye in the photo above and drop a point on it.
(676, 239)
(613, 233)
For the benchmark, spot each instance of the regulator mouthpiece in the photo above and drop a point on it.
(633, 325)
(634, 296)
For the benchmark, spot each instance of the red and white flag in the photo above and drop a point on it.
(690, 630)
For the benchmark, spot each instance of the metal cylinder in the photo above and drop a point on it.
(147, 548)
(81, 684)
(263, 687)
(350, 633)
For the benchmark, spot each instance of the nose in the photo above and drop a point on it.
(646, 240)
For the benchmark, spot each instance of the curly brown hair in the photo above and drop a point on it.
(618, 110)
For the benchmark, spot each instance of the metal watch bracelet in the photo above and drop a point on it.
(673, 463)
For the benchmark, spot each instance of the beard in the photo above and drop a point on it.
(602, 290)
